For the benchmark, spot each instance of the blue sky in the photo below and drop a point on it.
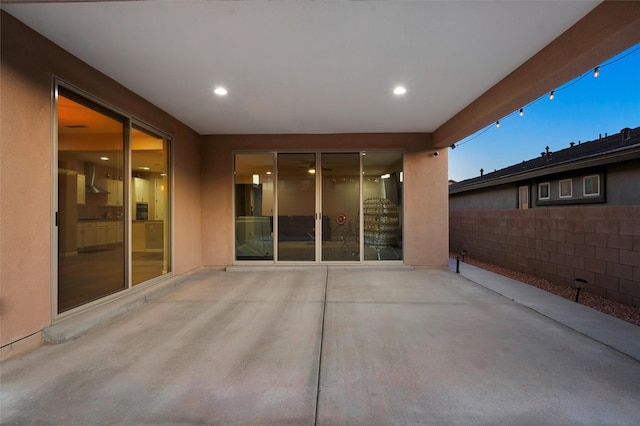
(582, 109)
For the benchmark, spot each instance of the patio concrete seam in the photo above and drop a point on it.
(324, 310)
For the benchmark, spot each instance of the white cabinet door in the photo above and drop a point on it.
(82, 190)
(141, 190)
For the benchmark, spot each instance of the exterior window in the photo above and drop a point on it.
(523, 197)
(566, 188)
(543, 191)
(591, 185)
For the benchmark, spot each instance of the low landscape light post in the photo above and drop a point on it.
(579, 283)
(457, 264)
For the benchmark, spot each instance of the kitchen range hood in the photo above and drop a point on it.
(90, 171)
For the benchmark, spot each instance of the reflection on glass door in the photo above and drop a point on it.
(254, 194)
(340, 206)
(297, 224)
(90, 202)
(382, 205)
(150, 205)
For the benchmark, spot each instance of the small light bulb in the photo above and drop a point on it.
(552, 95)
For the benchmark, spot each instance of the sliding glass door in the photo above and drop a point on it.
(340, 206)
(298, 223)
(103, 199)
(320, 206)
(90, 219)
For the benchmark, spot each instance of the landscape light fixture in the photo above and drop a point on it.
(579, 283)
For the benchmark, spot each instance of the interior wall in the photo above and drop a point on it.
(425, 188)
(29, 65)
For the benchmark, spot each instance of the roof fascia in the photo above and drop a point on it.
(612, 157)
(607, 30)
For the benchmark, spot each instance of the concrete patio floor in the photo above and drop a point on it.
(336, 346)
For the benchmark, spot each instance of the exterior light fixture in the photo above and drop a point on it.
(521, 112)
(596, 72)
(552, 95)
(453, 146)
(579, 283)
(498, 123)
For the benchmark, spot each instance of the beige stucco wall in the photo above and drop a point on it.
(425, 189)
(29, 64)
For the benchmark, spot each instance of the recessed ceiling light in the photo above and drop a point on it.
(104, 158)
(143, 168)
(399, 90)
(220, 91)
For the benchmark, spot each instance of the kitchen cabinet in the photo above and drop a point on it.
(81, 195)
(116, 191)
(87, 235)
(141, 190)
(91, 234)
(147, 236)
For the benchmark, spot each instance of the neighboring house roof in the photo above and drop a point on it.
(622, 146)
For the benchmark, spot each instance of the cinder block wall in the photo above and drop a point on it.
(598, 243)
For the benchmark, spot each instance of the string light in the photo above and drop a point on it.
(596, 73)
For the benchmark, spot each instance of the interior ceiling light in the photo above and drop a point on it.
(220, 91)
(312, 171)
(399, 90)
(144, 168)
(104, 158)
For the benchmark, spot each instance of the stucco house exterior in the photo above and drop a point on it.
(104, 194)
(573, 213)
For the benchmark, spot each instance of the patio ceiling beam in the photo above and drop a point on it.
(607, 30)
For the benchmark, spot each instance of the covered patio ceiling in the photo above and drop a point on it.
(330, 67)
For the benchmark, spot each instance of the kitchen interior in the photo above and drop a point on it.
(99, 202)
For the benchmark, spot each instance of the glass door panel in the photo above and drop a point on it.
(382, 205)
(91, 255)
(150, 205)
(297, 224)
(340, 206)
(254, 193)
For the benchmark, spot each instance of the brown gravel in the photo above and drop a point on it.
(624, 312)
